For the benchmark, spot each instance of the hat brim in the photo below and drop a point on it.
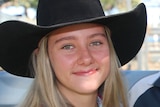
(19, 39)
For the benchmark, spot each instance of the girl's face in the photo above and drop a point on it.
(80, 57)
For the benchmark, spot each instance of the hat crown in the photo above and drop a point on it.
(51, 12)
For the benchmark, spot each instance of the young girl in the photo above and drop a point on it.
(75, 52)
(71, 65)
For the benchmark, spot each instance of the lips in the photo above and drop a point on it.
(85, 72)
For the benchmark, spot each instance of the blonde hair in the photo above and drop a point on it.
(44, 92)
(114, 91)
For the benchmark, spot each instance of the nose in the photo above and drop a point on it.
(85, 57)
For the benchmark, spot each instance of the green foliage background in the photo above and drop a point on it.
(120, 4)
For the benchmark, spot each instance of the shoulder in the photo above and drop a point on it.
(141, 87)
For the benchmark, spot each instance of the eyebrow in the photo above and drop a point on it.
(73, 38)
(65, 38)
(98, 34)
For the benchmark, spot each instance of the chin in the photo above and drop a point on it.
(87, 89)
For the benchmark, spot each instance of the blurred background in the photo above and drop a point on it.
(149, 56)
(13, 88)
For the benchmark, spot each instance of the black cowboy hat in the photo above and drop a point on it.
(19, 39)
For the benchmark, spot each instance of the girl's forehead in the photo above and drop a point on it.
(76, 27)
(88, 32)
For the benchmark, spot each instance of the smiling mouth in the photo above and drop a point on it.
(85, 73)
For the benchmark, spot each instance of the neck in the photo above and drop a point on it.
(82, 100)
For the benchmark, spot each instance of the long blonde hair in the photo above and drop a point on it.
(44, 92)
(114, 91)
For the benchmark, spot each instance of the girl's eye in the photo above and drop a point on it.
(96, 43)
(67, 47)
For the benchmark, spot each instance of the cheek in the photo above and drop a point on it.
(103, 56)
(106, 64)
(61, 62)
(105, 68)
(62, 66)
(59, 65)
(104, 61)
